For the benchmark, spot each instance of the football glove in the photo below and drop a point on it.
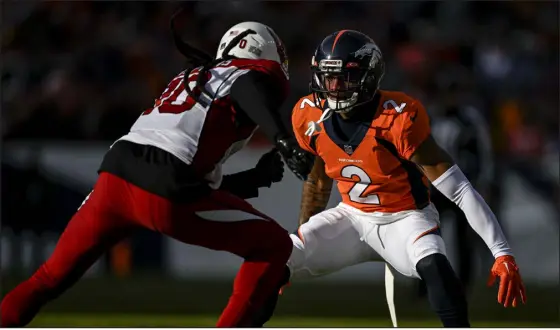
(511, 288)
(299, 161)
(270, 168)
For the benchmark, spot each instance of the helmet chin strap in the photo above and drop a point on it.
(314, 126)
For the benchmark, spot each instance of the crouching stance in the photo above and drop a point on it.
(378, 148)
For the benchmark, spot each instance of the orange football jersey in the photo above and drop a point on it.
(371, 165)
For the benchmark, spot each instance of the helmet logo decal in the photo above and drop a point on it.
(375, 59)
(366, 50)
(279, 46)
(255, 50)
(281, 52)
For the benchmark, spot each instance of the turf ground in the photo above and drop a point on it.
(143, 320)
(152, 301)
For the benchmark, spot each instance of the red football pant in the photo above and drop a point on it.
(115, 208)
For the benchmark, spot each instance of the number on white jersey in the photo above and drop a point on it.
(175, 98)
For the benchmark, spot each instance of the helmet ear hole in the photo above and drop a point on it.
(369, 84)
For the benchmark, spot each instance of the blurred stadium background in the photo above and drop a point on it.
(75, 75)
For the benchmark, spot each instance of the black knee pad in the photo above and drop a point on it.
(434, 267)
(439, 277)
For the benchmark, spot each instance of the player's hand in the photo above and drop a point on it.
(511, 289)
(299, 161)
(270, 168)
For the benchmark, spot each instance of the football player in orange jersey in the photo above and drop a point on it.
(377, 146)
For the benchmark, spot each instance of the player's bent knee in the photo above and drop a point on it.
(430, 262)
(303, 261)
(424, 247)
(275, 242)
(434, 267)
(297, 257)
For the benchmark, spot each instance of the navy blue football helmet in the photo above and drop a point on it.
(347, 69)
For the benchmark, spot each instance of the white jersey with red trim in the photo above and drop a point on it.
(198, 134)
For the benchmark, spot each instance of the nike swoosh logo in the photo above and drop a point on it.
(507, 267)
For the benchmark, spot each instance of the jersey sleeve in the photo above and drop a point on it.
(411, 129)
(300, 115)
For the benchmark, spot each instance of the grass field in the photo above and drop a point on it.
(153, 301)
(142, 320)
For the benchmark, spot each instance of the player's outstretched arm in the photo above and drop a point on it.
(316, 191)
(259, 96)
(448, 178)
(246, 184)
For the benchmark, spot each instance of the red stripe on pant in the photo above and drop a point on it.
(116, 208)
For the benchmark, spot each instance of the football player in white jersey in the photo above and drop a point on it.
(165, 175)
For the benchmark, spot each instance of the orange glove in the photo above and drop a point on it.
(511, 285)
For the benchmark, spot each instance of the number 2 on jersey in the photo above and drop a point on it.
(358, 189)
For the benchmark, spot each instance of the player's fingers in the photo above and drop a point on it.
(519, 289)
(491, 279)
(270, 157)
(511, 293)
(522, 292)
(502, 289)
(276, 167)
(514, 303)
(276, 159)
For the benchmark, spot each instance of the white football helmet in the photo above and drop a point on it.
(263, 44)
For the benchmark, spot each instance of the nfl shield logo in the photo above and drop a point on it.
(348, 149)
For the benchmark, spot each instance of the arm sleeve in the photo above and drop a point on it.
(411, 128)
(241, 184)
(454, 185)
(260, 96)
